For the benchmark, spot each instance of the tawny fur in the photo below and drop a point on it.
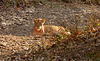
(40, 28)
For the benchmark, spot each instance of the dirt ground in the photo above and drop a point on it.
(20, 22)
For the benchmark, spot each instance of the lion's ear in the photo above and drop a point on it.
(33, 19)
(43, 20)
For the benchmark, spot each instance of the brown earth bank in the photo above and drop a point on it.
(16, 28)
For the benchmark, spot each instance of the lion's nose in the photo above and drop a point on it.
(38, 26)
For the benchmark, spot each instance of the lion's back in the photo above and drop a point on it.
(53, 28)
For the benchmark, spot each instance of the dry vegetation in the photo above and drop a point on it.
(83, 44)
(9, 3)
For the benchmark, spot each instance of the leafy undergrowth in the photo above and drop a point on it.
(51, 48)
(14, 46)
